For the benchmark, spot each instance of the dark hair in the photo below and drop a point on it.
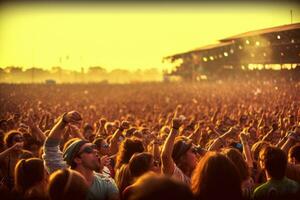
(237, 159)
(98, 141)
(140, 163)
(87, 127)
(128, 147)
(28, 173)
(158, 187)
(9, 137)
(257, 147)
(275, 161)
(181, 146)
(67, 184)
(294, 152)
(212, 169)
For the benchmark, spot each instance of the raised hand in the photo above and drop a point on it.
(102, 122)
(75, 131)
(243, 137)
(17, 146)
(176, 123)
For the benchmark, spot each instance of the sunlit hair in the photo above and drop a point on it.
(123, 177)
(256, 148)
(9, 137)
(237, 158)
(140, 163)
(151, 186)
(294, 152)
(98, 141)
(275, 161)
(128, 147)
(28, 173)
(67, 184)
(216, 177)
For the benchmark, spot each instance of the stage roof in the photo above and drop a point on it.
(263, 31)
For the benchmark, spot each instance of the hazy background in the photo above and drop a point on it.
(132, 37)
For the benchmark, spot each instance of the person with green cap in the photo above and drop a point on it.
(81, 156)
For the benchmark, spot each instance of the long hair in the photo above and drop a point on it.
(123, 177)
(127, 149)
(216, 177)
(257, 147)
(9, 136)
(151, 186)
(140, 163)
(28, 173)
(237, 158)
(67, 184)
(275, 161)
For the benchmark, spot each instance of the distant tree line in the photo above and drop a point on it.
(15, 74)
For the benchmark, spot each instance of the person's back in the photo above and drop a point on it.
(102, 187)
(151, 186)
(277, 189)
(247, 182)
(67, 184)
(30, 179)
(274, 162)
(216, 177)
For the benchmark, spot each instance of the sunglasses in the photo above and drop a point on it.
(198, 150)
(18, 139)
(89, 149)
(105, 146)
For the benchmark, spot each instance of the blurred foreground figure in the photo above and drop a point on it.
(151, 186)
(67, 184)
(274, 162)
(216, 177)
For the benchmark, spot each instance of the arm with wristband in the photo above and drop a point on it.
(166, 155)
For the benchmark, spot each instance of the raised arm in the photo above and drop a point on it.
(116, 135)
(195, 136)
(58, 129)
(246, 149)
(75, 131)
(52, 156)
(293, 138)
(6, 152)
(221, 140)
(155, 149)
(35, 130)
(270, 133)
(214, 117)
(101, 127)
(166, 155)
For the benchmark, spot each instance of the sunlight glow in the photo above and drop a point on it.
(123, 37)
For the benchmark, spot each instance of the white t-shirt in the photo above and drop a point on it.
(179, 175)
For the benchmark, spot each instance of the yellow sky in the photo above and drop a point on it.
(126, 36)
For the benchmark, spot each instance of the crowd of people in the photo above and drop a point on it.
(236, 140)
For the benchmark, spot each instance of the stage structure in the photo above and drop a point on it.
(270, 48)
